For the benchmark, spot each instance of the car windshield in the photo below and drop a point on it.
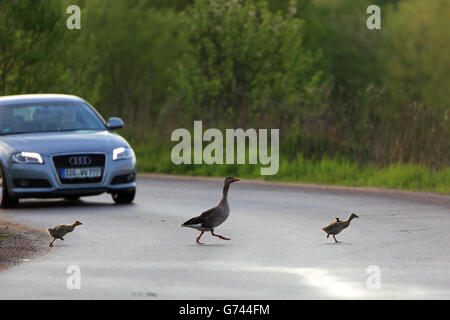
(47, 117)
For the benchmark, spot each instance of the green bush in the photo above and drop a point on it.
(245, 65)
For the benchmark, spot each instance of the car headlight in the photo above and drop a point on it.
(27, 157)
(122, 153)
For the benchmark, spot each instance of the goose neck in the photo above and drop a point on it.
(226, 186)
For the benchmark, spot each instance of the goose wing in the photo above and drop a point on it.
(201, 219)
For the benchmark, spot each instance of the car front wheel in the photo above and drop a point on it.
(6, 201)
(123, 197)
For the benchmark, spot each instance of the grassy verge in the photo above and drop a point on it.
(325, 171)
(4, 236)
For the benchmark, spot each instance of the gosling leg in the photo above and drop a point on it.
(336, 240)
(51, 243)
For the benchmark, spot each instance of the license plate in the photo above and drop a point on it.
(81, 173)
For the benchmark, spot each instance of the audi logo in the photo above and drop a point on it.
(80, 161)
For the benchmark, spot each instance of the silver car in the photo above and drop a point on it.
(58, 146)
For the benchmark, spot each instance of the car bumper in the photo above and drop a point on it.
(118, 176)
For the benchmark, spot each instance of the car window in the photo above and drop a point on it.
(48, 116)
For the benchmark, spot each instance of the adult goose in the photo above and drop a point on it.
(213, 217)
(60, 231)
(336, 227)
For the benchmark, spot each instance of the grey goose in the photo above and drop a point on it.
(213, 217)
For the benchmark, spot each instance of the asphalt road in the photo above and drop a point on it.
(277, 249)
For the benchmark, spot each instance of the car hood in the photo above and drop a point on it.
(48, 143)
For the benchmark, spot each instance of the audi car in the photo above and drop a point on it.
(59, 146)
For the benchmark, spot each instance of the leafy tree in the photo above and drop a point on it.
(416, 69)
(246, 64)
(39, 54)
(417, 50)
(136, 46)
(30, 32)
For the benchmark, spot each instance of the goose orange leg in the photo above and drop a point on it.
(198, 238)
(219, 236)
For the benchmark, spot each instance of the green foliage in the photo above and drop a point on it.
(354, 106)
(38, 53)
(349, 49)
(136, 54)
(22, 25)
(416, 72)
(417, 50)
(245, 63)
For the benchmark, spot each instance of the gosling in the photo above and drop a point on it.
(60, 231)
(336, 227)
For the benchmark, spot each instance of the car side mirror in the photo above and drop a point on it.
(115, 123)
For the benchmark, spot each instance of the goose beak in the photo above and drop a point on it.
(235, 179)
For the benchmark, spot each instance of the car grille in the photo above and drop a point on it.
(96, 160)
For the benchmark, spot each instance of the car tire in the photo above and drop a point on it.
(6, 201)
(124, 197)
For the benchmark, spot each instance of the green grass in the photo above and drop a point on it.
(299, 169)
(4, 236)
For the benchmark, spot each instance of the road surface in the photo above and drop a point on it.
(398, 249)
